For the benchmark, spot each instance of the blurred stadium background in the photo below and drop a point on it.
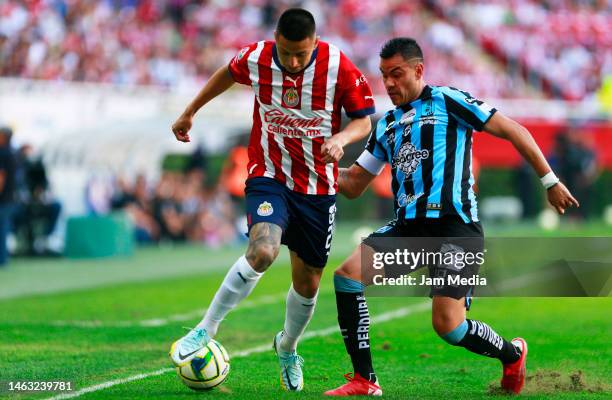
(90, 89)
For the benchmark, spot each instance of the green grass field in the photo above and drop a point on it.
(104, 321)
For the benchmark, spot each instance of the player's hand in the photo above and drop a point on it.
(561, 198)
(181, 128)
(333, 149)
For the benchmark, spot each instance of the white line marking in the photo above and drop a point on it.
(384, 317)
(108, 384)
(156, 322)
(526, 280)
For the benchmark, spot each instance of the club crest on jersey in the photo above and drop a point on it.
(265, 209)
(428, 108)
(291, 97)
(408, 158)
(427, 114)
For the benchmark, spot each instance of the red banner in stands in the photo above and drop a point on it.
(498, 153)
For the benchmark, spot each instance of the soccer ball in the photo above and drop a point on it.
(207, 369)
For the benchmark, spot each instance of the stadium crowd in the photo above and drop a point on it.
(562, 46)
(28, 210)
(179, 206)
(179, 43)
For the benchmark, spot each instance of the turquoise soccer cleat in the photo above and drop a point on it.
(183, 350)
(291, 377)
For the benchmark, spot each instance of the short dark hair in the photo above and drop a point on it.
(408, 48)
(296, 24)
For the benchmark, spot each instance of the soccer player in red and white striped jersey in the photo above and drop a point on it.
(301, 84)
(297, 108)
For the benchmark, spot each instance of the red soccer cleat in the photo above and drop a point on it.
(356, 386)
(514, 374)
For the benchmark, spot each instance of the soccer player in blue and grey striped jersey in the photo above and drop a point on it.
(427, 140)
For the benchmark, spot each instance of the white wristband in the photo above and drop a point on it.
(549, 180)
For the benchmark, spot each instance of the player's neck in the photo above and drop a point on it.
(417, 93)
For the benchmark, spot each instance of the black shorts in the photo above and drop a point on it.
(447, 236)
(307, 221)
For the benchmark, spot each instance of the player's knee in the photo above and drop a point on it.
(351, 271)
(308, 289)
(307, 281)
(341, 271)
(444, 322)
(454, 335)
(348, 270)
(262, 255)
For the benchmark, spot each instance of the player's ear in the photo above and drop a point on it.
(275, 35)
(419, 70)
(316, 42)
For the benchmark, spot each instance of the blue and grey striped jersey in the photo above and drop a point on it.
(428, 143)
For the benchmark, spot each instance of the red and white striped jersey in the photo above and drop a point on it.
(294, 113)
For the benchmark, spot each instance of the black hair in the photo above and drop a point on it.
(408, 48)
(296, 24)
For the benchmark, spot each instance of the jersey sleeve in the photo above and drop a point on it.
(356, 94)
(374, 157)
(468, 110)
(239, 66)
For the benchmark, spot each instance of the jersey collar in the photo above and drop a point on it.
(278, 64)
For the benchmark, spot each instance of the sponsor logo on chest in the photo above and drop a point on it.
(409, 157)
(286, 124)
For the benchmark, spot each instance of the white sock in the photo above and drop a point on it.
(238, 283)
(298, 314)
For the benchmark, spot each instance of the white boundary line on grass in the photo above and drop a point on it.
(384, 317)
(509, 284)
(155, 322)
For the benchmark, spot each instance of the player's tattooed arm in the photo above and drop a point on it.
(353, 181)
(343, 176)
(264, 245)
